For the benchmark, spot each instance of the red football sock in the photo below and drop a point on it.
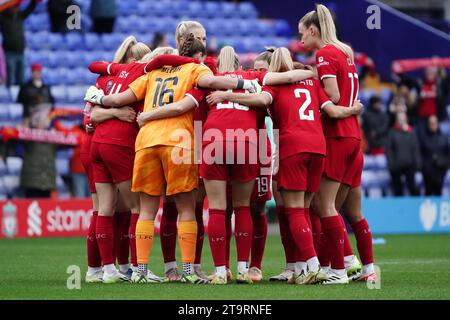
(301, 232)
(308, 218)
(334, 232)
(121, 238)
(348, 251)
(168, 231)
(200, 232)
(229, 230)
(93, 253)
(104, 235)
(259, 240)
(243, 232)
(363, 237)
(316, 229)
(132, 237)
(286, 236)
(217, 236)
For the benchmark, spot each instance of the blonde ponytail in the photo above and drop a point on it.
(228, 60)
(281, 61)
(322, 19)
(184, 28)
(123, 49)
(130, 48)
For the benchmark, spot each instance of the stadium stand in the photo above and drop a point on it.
(65, 58)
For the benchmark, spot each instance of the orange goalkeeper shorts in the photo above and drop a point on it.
(162, 165)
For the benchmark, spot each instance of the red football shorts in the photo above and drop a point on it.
(89, 169)
(344, 161)
(301, 172)
(112, 163)
(237, 161)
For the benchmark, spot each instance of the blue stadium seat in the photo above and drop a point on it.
(196, 10)
(365, 95)
(3, 168)
(370, 163)
(41, 57)
(385, 96)
(381, 162)
(247, 10)
(14, 91)
(227, 9)
(59, 93)
(92, 41)
(445, 127)
(418, 177)
(265, 29)
(282, 28)
(75, 94)
(368, 178)
(14, 165)
(4, 95)
(74, 41)
(211, 9)
(384, 178)
(15, 111)
(62, 166)
(245, 27)
(54, 59)
(52, 76)
(55, 41)
(38, 40)
(128, 8)
(11, 183)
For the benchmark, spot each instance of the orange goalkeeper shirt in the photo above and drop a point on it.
(161, 87)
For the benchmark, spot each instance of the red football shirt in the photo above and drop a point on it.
(332, 62)
(115, 131)
(104, 82)
(233, 116)
(295, 111)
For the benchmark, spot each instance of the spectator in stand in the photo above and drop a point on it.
(375, 125)
(434, 90)
(3, 74)
(403, 155)
(35, 96)
(404, 100)
(57, 11)
(103, 13)
(159, 40)
(11, 25)
(435, 154)
(38, 176)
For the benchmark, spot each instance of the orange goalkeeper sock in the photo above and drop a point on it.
(187, 238)
(144, 240)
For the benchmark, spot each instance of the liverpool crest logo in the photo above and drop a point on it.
(9, 220)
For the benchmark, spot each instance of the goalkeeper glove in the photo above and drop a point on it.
(94, 95)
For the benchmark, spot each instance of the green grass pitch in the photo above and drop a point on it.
(412, 267)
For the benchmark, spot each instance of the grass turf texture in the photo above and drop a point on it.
(412, 267)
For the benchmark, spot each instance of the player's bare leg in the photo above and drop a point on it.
(353, 211)
(333, 229)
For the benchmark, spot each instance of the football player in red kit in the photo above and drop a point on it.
(340, 185)
(302, 150)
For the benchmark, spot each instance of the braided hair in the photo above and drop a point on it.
(191, 46)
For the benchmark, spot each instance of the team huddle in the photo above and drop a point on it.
(175, 126)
